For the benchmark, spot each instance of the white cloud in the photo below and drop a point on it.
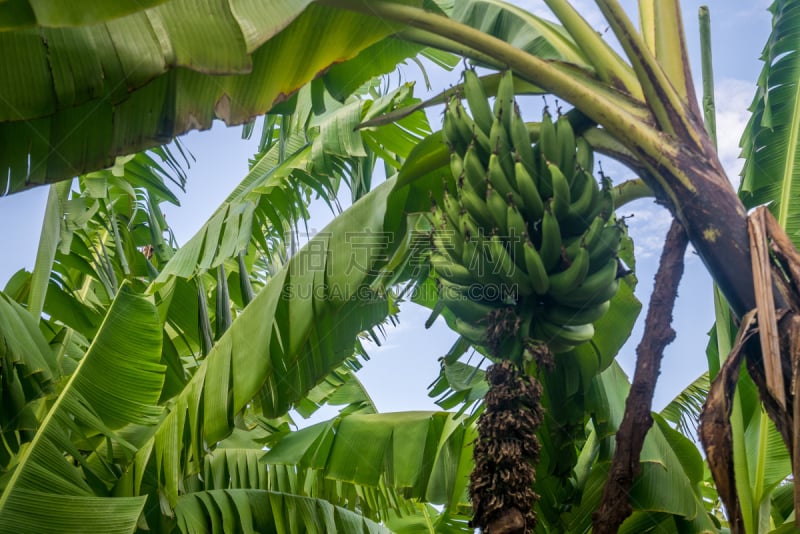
(648, 228)
(733, 97)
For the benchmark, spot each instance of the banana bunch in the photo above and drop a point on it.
(523, 226)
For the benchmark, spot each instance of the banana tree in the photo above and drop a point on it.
(646, 109)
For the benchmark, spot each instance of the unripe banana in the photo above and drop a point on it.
(474, 171)
(593, 233)
(478, 101)
(499, 180)
(561, 195)
(504, 101)
(565, 138)
(537, 273)
(498, 208)
(550, 248)
(436, 215)
(449, 235)
(605, 247)
(566, 281)
(473, 257)
(450, 270)
(456, 165)
(501, 145)
(475, 334)
(532, 203)
(567, 315)
(548, 142)
(457, 299)
(586, 204)
(468, 128)
(469, 227)
(584, 155)
(554, 343)
(446, 242)
(517, 230)
(521, 140)
(475, 205)
(542, 175)
(505, 266)
(587, 239)
(568, 335)
(452, 209)
(451, 134)
(596, 288)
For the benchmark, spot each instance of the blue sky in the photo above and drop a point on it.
(400, 370)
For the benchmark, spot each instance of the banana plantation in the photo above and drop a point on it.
(155, 386)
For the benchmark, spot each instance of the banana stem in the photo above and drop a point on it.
(709, 107)
(610, 67)
(627, 192)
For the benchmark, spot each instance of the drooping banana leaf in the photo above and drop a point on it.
(111, 401)
(771, 141)
(423, 455)
(132, 82)
(252, 510)
(299, 328)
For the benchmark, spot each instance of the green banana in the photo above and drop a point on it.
(501, 145)
(456, 165)
(584, 155)
(474, 171)
(555, 345)
(517, 229)
(498, 138)
(548, 142)
(521, 140)
(550, 248)
(436, 216)
(587, 239)
(452, 209)
(566, 281)
(567, 315)
(605, 247)
(473, 256)
(565, 138)
(449, 242)
(456, 299)
(504, 101)
(450, 270)
(537, 273)
(584, 207)
(500, 181)
(475, 205)
(596, 288)
(561, 195)
(468, 128)
(469, 227)
(477, 100)
(505, 266)
(451, 134)
(568, 335)
(532, 203)
(475, 334)
(498, 208)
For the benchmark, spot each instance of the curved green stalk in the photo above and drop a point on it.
(610, 67)
(669, 45)
(622, 116)
(668, 105)
(419, 36)
(627, 192)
